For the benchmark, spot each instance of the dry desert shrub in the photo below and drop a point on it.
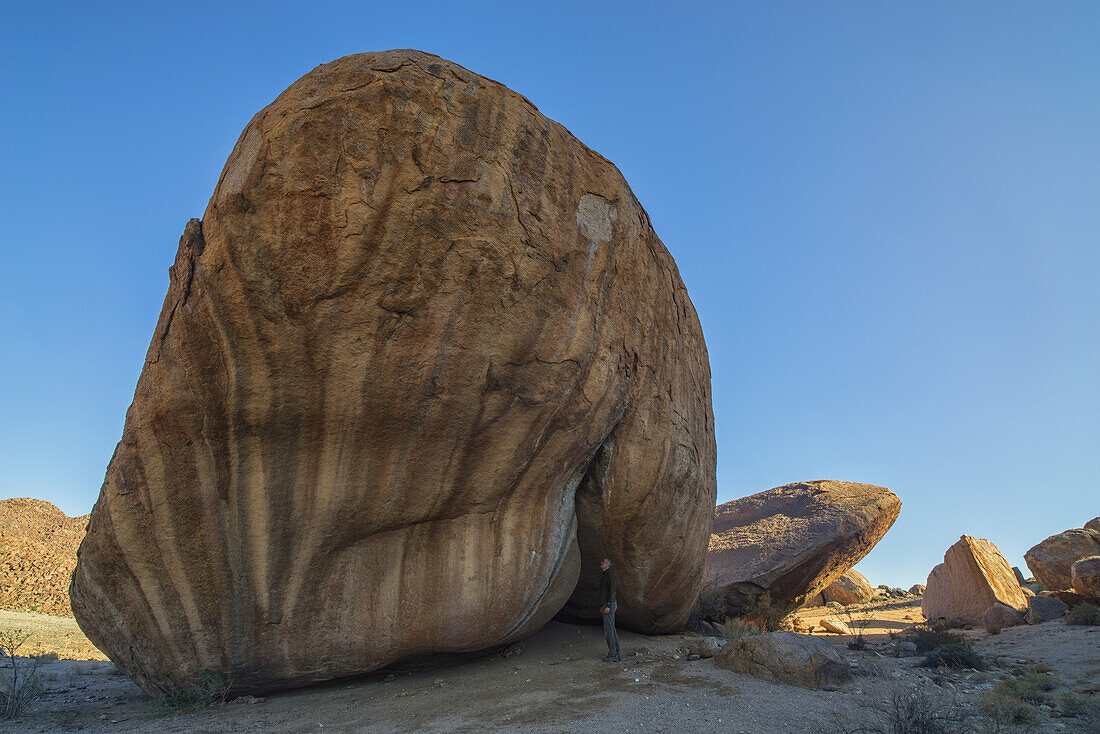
(1083, 707)
(766, 614)
(905, 711)
(20, 684)
(735, 628)
(1003, 711)
(710, 606)
(1034, 688)
(953, 656)
(928, 638)
(208, 688)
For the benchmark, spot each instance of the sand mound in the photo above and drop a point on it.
(38, 545)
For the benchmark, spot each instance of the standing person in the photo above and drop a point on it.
(608, 605)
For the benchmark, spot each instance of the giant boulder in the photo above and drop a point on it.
(973, 576)
(795, 540)
(421, 364)
(1052, 560)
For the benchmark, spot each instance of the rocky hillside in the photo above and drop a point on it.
(38, 545)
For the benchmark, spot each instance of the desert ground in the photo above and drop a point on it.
(555, 681)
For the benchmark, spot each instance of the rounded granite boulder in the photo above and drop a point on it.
(420, 365)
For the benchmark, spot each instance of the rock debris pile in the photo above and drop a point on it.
(38, 545)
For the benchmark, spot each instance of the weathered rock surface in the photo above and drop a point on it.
(1085, 574)
(1071, 598)
(851, 588)
(902, 648)
(973, 576)
(1045, 608)
(817, 600)
(1000, 615)
(38, 545)
(422, 358)
(795, 540)
(1093, 525)
(916, 589)
(1052, 560)
(785, 657)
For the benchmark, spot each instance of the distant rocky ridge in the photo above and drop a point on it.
(38, 545)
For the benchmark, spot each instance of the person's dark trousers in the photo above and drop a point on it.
(610, 633)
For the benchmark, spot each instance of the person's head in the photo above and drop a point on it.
(605, 564)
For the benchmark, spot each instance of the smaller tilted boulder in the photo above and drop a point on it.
(795, 540)
(917, 589)
(785, 657)
(851, 588)
(1002, 615)
(1052, 560)
(1085, 575)
(973, 576)
(834, 625)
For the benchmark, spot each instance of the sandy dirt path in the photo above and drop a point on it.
(556, 682)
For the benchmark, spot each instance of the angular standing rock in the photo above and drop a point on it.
(1052, 560)
(422, 358)
(795, 540)
(973, 576)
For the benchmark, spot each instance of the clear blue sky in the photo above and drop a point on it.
(887, 215)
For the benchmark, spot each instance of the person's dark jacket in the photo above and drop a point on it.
(607, 588)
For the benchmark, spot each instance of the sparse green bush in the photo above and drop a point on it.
(929, 638)
(1002, 710)
(710, 606)
(20, 684)
(207, 688)
(1084, 614)
(953, 656)
(1034, 688)
(993, 629)
(1042, 668)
